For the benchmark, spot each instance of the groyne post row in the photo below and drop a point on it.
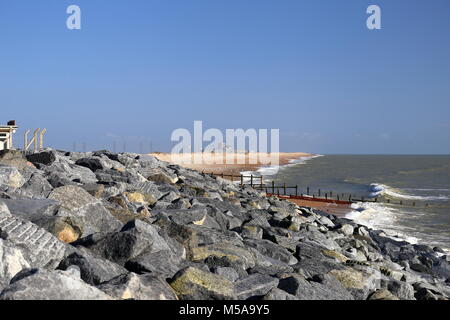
(257, 182)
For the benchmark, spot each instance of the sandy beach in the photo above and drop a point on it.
(235, 167)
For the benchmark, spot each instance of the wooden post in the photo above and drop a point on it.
(278, 191)
(242, 180)
(273, 187)
(251, 181)
(307, 191)
(319, 193)
(284, 187)
(349, 198)
(41, 140)
(326, 195)
(232, 177)
(337, 197)
(296, 190)
(331, 194)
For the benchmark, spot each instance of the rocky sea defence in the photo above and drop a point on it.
(106, 226)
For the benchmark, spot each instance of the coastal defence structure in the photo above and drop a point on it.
(6, 135)
(284, 192)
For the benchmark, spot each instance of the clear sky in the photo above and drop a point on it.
(138, 69)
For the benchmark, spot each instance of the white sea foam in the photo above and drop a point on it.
(379, 216)
(382, 189)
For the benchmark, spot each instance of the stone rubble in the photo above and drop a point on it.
(99, 225)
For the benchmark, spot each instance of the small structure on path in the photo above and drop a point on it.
(6, 135)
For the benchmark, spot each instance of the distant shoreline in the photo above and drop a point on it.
(235, 168)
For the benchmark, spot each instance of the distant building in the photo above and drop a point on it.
(6, 135)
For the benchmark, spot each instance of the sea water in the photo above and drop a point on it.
(417, 188)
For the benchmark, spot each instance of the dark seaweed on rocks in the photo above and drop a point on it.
(100, 225)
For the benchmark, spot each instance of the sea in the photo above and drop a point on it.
(412, 192)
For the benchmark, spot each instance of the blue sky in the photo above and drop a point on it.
(139, 69)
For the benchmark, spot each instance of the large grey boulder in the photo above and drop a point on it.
(239, 255)
(65, 172)
(184, 216)
(272, 250)
(93, 270)
(78, 203)
(11, 177)
(255, 285)
(164, 263)
(39, 247)
(138, 287)
(92, 164)
(317, 288)
(32, 208)
(11, 262)
(135, 238)
(40, 284)
(36, 187)
(4, 211)
(402, 290)
(195, 284)
(45, 158)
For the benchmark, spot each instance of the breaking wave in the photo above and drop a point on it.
(376, 190)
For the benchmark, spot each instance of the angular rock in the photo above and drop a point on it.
(45, 158)
(135, 238)
(164, 263)
(238, 255)
(80, 204)
(93, 270)
(278, 294)
(359, 283)
(382, 294)
(4, 211)
(11, 262)
(227, 272)
(40, 284)
(92, 164)
(32, 208)
(255, 285)
(11, 177)
(195, 284)
(272, 250)
(40, 248)
(316, 288)
(138, 287)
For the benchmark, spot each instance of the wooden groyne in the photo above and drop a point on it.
(285, 191)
